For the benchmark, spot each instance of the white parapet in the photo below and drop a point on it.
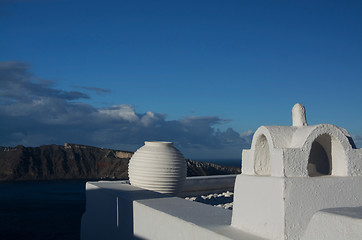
(335, 224)
(117, 210)
(109, 209)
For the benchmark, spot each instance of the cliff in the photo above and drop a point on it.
(73, 161)
(195, 168)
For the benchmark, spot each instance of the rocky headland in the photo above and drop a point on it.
(76, 162)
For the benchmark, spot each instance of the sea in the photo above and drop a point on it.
(46, 210)
(41, 210)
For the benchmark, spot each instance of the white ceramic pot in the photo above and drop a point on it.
(158, 166)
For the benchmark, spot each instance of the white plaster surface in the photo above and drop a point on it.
(258, 206)
(292, 172)
(299, 115)
(117, 210)
(281, 208)
(290, 147)
(109, 209)
(112, 208)
(175, 218)
(335, 224)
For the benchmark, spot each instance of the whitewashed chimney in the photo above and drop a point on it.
(290, 173)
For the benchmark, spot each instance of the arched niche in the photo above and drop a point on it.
(262, 156)
(327, 157)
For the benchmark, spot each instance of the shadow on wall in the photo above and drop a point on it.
(109, 214)
(320, 158)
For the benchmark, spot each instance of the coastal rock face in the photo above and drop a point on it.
(195, 168)
(70, 161)
(73, 161)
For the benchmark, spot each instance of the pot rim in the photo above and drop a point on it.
(158, 143)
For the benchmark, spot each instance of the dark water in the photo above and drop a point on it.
(41, 210)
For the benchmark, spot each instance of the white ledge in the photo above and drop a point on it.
(335, 223)
(117, 210)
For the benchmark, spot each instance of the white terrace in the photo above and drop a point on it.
(298, 182)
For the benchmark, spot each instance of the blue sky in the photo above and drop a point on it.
(204, 74)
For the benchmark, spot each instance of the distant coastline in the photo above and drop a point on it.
(229, 162)
(81, 162)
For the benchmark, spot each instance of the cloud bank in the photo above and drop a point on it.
(34, 112)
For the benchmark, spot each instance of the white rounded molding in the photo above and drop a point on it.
(299, 115)
(158, 166)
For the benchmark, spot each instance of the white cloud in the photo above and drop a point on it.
(150, 119)
(123, 111)
(247, 133)
(33, 112)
